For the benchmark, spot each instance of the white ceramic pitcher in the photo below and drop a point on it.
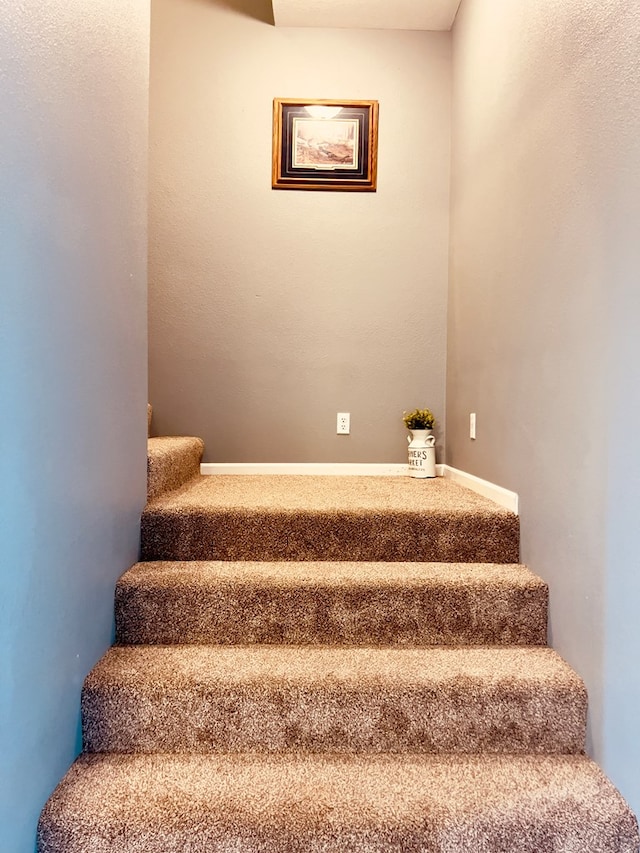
(422, 453)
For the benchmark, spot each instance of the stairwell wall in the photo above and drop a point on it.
(543, 314)
(73, 167)
(270, 310)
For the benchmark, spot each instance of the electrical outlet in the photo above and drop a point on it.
(472, 425)
(344, 423)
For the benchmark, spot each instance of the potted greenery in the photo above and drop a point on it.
(419, 419)
(422, 453)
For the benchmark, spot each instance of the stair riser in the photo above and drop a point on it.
(234, 614)
(270, 536)
(510, 837)
(464, 717)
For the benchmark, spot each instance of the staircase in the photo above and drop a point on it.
(327, 664)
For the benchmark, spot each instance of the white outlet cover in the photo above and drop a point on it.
(343, 423)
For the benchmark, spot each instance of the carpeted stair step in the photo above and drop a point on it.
(319, 699)
(304, 705)
(172, 462)
(328, 804)
(327, 518)
(331, 603)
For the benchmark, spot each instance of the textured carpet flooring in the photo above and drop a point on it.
(318, 699)
(330, 665)
(327, 518)
(172, 462)
(331, 603)
(325, 804)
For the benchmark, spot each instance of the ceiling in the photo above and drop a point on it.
(367, 14)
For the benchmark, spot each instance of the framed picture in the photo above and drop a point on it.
(325, 145)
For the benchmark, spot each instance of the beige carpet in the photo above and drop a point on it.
(327, 518)
(356, 604)
(172, 462)
(326, 804)
(319, 699)
(330, 665)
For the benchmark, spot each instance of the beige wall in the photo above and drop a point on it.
(271, 311)
(73, 386)
(543, 318)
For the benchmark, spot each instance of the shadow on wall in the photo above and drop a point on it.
(259, 10)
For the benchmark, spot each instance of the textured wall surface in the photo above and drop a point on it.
(544, 260)
(73, 165)
(271, 311)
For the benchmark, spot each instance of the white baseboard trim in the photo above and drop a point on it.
(340, 469)
(503, 497)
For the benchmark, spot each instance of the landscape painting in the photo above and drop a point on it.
(325, 144)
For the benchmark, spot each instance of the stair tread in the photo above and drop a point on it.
(323, 699)
(177, 666)
(171, 803)
(167, 445)
(312, 493)
(270, 517)
(337, 603)
(354, 575)
(172, 461)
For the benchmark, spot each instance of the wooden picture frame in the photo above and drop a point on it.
(325, 145)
